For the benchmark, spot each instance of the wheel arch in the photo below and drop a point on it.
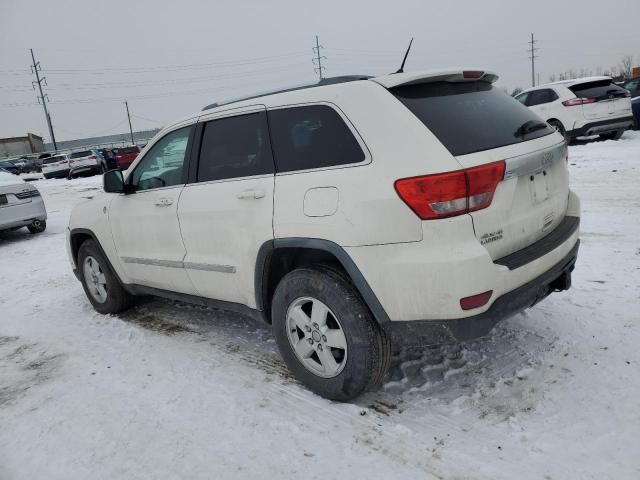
(77, 237)
(278, 257)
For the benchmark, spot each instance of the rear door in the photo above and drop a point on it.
(479, 125)
(226, 211)
(605, 99)
(539, 100)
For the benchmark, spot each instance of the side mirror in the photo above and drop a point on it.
(113, 181)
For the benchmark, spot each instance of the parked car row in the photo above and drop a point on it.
(88, 162)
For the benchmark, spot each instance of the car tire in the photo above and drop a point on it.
(37, 226)
(339, 355)
(103, 289)
(560, 129)
(612, 135)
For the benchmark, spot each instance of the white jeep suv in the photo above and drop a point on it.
(582, 107)
(419, 208)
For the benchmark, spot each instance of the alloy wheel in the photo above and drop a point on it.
(316, 336)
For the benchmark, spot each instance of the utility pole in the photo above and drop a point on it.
(35, 68)
(533, 56)
(318, 58)
(129, 118)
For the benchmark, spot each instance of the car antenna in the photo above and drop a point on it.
(401, 69)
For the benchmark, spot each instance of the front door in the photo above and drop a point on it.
(227, 213)
(144, 223)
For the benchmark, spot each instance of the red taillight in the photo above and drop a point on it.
(475, 301)
(472, 73)
(578, 101)
(627, 93)
(453, 193)
(93, 157)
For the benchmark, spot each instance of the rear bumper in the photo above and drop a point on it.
(56, 173)
(20, 215)
(435, 332)
(603, 126)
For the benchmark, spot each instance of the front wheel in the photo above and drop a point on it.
(100, 284)
(560, 129)
(612, 135)
(326, 334)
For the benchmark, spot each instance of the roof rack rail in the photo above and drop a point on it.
(323, 82)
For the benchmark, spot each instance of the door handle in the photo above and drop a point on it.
(253, 194)
(164, 202)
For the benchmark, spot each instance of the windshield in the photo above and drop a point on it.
(471, 117)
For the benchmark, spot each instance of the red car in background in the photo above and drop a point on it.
(125, 156)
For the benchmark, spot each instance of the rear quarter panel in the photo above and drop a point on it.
(369, 211)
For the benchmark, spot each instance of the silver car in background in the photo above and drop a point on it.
(21, 205)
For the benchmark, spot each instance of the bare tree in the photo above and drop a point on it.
(626, 65)
(552, 78)
(516, 91)
(599, 71)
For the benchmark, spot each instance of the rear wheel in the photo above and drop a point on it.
(612, 135)
(326, 334)
(100, 284)
(37, 226)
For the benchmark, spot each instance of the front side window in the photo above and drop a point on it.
(522, 98)
(539, 97)
(312, 136)
(163, 165)
(235, 147)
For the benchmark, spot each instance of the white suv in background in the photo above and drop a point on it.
(582, 107)
(418, 207)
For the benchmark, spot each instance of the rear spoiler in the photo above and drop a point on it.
(397, 79)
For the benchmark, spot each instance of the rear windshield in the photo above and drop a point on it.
(52, 160)
(471, 117)
(599, 89)
(86, 153)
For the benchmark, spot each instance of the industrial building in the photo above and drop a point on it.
(14, 146)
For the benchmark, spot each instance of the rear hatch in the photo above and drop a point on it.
(482, 126)
(53, 164)
(14, 191)
(85, 158)
(602, 99)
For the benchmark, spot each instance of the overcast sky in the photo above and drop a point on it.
(171, 58)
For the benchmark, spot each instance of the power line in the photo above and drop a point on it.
(44, 98)
(533, 56)
(317, 61)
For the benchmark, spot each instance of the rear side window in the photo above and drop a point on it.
(540, 97)
(599, 89)
(86, 153)
(471, 117)
(313, 136)
(235, 147)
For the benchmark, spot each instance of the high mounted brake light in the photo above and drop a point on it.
(472, 74)
(578, 101)
(452, 193)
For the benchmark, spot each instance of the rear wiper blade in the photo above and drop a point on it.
(528, 127)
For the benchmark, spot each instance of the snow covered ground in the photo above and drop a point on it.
(169, 390)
